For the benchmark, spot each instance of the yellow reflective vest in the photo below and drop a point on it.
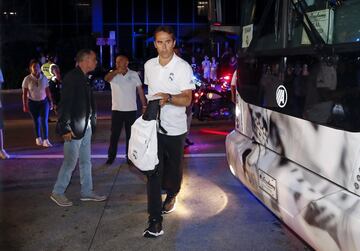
(46, 69)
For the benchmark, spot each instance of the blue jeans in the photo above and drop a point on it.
(39, 111)
(74, 149)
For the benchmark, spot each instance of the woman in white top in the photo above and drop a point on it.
(37, 100)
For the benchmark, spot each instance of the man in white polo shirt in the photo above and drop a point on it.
(124, 84)
(169, 77)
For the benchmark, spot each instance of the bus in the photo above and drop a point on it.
(296, 142)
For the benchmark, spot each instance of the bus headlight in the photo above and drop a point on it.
(232, 170)
(237, 110)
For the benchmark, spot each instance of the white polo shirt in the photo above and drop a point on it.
(36, 87)
(173, 78)
(123, 91)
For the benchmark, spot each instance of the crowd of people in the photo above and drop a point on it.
(210, 68)
(168, 77)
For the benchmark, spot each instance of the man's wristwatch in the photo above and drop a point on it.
(169, 100)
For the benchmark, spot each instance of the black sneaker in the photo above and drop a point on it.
(169, 204)
(154, 230)
(109, 161)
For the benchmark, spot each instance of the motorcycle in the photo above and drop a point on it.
(213, 100)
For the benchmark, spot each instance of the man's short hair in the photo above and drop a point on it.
(33, 61)
(121, 54)
(165, 28)
(82, 54)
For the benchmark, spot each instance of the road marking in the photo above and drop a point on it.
(204, 155)
(104, 156)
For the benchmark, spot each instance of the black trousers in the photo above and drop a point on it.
(168, 174)
(118, 119)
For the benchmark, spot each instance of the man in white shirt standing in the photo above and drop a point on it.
(206, 66)
(169, 77)
(124, 84)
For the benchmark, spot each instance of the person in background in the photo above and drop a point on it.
(233, 64)
(76, 122)
(1, 79)
(194, 65)
(42, 58)
(55, 85)
(213, 69)
(206, 64)
(124, 85)
(189, 115)
(189, 108)
(48, 71)
(170, 78)
(3, 153)
(46, 68)
(37, 99)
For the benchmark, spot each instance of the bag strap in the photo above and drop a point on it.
(160, 126)
(152, 112)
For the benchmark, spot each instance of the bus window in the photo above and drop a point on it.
(321, 87)
(327, 94)
(346, 22)
(336, 23)
(252, 12)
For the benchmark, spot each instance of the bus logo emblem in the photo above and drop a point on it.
(281, 96)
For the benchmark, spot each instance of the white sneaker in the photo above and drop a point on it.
(39, 141)
(4, 155)
(46, 143)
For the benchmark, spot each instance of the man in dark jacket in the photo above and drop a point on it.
(76, 120)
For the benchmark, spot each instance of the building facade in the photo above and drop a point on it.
(31, 27)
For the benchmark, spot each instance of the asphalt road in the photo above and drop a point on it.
(215, 211)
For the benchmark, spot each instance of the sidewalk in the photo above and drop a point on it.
(215, 212)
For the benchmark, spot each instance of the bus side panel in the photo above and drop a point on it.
(332, 221)
(331, 153)
(313, 206)
(322, 213)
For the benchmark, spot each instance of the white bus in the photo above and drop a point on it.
(296, 143)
